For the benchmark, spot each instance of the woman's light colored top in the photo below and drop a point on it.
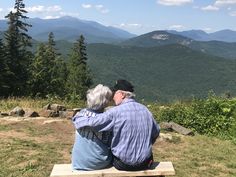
(91, 150)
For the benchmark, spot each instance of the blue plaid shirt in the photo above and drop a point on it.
(133, 126)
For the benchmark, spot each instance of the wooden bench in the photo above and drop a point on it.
(157, 169)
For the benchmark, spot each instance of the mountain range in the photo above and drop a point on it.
(160, 38)
(163, 73)
(199, 35)
(1, 35)
(166, 66)
(162, 65)
(70, 28)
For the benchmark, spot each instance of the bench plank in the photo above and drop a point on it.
(157, 169)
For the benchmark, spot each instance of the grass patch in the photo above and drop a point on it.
(4, 127)
(37, 104)
(32, 152)
(199, 156)
(175, 139)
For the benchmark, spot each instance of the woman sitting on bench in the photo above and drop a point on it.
(91, 150)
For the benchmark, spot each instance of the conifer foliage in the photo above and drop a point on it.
(3, 71)
(48, 70)
(17, 54)
(40, 76)
(43, 73)
(79, 78)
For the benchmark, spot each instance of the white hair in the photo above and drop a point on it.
(98, 97)
(128, 94)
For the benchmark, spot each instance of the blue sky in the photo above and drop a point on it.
(138, 16)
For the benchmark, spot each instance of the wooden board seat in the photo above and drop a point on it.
(157, 169)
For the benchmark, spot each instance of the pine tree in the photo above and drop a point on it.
(3, 71)
(48, 71)
(79, 77)
(59, 77)
(17, 43)
(40, 73)
(57, 68)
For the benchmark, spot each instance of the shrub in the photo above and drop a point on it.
(212, 116)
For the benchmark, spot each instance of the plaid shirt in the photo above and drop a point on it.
(133, 126)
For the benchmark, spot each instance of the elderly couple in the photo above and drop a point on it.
(122, 136)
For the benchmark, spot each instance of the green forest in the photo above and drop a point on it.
(43, 72)
(165, 71)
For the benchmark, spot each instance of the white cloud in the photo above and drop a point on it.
(36, 9)
(135, 25)
(1, 9)
(11, 9)
(207, 29)
(86, 6)
(220, 4)
(225, 2)
(42, 9)
(55, 8)
(105, 11)
(98, 7)
(101, 9)
(210, 8)
(51, 17)
(69, 14)
(233, 13)
(173, 2)
(130, 25)
(177, 27)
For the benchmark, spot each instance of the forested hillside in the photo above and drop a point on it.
(216, 48)
(159, 38)
(38, 70)
(163, 73)
(162, 66)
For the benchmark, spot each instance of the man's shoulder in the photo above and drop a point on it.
(114, 109)
(111, 109)
(139, 105)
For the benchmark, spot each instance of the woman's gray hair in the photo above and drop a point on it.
(98, 97)
(128, 94)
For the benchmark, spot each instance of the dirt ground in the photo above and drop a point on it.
(47, 130)
(31, 146)
(40, 131)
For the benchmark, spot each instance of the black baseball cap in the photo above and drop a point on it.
(124, 85)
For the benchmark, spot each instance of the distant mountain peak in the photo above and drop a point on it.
(160, 36)
(70, 28)
(67, 17)
(225, 35)
(157, 38)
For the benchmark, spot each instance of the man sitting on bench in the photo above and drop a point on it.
(133, 126)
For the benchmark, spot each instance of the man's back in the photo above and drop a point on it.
(132, 132)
